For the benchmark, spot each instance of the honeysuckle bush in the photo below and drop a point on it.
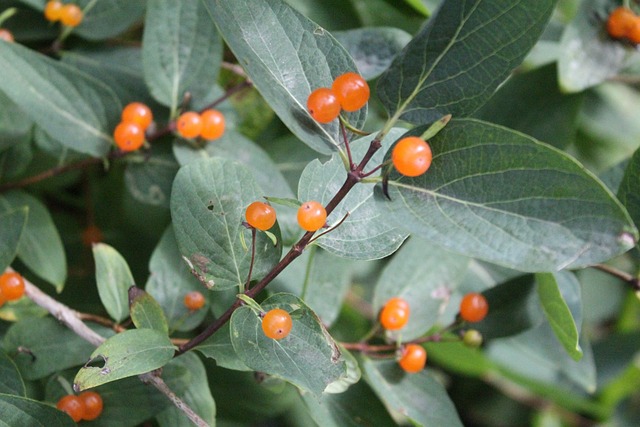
(530, 110)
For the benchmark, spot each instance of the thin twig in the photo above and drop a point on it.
(624, 276)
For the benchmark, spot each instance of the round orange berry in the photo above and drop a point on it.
(276, 324)
(411, 156)
(474, 307)
(53, 10)
(312, 216)
(620, 22)
(260, 215)
(73, 406)
(71, 15)
(139, 113)
(128, 136)
(212, 124)
(11, 285)
(6, 35)
(92, 405)
(189, 124)
(413, 358)
(395, 314)
(194, 300)
(323, 105)
(351, 90)
(634, 32)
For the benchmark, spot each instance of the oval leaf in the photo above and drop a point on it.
(501, 196)
(208, 201)
(128, 353)
(308, 357)
(10, 380)
(628, 190)
(108, 18)
(20, 411)
(444, 70)
(12, 225)
(114, 279)
(145, 311)
(262, 33)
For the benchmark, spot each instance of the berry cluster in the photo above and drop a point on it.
(129, 135)
(276, 324)
(11, 287)
(194, 300)
(349, 92)
(86, 406)
(623, 23)
(209, 124)
(68, 14)
(312, 216)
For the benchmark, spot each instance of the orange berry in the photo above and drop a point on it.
(92, 405)
(189, 124)
(620, 22)
(413, 358)
(260, 215)
(312, 216)
(92, 234)
(11, 286)
(351, 90)
(194, 300)
(323, 105)
(72, 405)
(411, 156)
(137, 112)
(276, 324)
(53, 10)
(474, 307)
(71, 15)
(128, 136)
(634, 32)
(395, 314)
(6, 35)
(212, 124)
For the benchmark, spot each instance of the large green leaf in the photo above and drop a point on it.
(24, 412)
(149, 180)
(208, 201)
(126, 354)
(420, 397)
(40, 246)
(181, 50)
(425, 276)
(453, 65)
(12, 225)
(60, 98)
(366, 233)
(307, 357)
(501, 196)
(628, 191)
(286, 55)
(10, 380)
(108, 18)
(114, 279)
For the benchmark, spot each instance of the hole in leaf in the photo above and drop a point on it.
(99, 361)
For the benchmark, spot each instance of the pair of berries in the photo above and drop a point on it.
(6, 35)
(312, 216)
(68, 14)
(86, 406)
(411, 156)
(349, 92)
(129, 135)
(209, 124)
(393, 316)
(276, 324)
(11, 287)
(194, 300)
(623, 23)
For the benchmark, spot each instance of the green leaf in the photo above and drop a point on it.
(170, 280)
(181, 50)
(207, 206)
(12, 225)
(219, 347)
(10, 380)
(453, 65)
(40, 247)
(588, 56)
(145, 311)
(128, 353)
(47, 346)
(114, 279)
(373, 49)
(425, 276)
(149, 180)
(59, 98)
(23, 412)
(628, 190)
(419, 6)
(509, 200)
(558, 313)
(14, 124)
(365, 234)
(410, 394)
(108, 18)
(261, 34)
(308, 357)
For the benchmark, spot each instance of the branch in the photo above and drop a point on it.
(625, 277)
